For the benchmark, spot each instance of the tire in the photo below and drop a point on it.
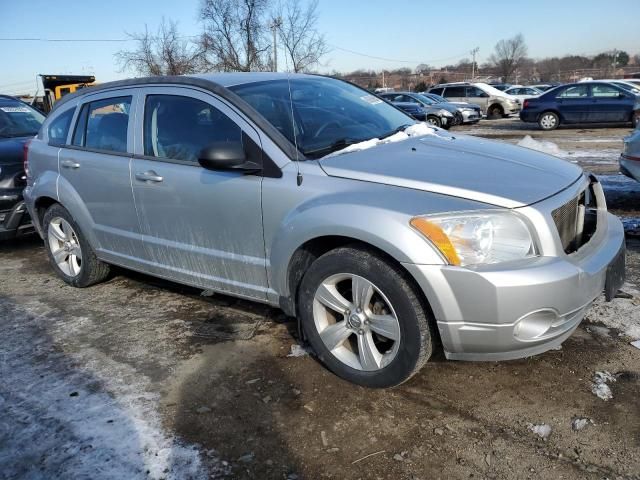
(495, 111)
(548, 121)
(68, 250)
(330, 281)
(435, 121)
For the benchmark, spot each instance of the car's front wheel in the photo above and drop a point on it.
(69, 253)
(549, 121)
(435, 121)
(363, 318)
(495, 111)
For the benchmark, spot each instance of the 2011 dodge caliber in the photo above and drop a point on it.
(382, 235)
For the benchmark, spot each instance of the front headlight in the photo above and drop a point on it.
(482, 237)
(445, 113)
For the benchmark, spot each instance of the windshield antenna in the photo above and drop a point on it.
(293, 121)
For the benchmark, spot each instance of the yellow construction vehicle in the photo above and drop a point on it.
(57, 86)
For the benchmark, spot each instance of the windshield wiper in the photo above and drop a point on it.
(333, 147)
(393, 132)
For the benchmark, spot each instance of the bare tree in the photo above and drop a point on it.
(303, 44)
(234, 36)
(166, 53)
(508, 56)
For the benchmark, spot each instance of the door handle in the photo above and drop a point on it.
(149, 176)
(70, 164)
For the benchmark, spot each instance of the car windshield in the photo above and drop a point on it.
(18, 119)
(437, 98)
(321, 115)
(426, 100)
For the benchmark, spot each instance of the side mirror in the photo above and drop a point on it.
(226, 156)
(622, 95)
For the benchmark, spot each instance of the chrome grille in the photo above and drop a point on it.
(576, 220)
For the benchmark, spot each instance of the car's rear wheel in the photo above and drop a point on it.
(69, 253)
(495, 111)
(549, 121)
(363, 318)
(435, 121)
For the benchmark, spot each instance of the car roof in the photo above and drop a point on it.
(230, 79)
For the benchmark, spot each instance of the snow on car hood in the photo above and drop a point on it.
(460, 166)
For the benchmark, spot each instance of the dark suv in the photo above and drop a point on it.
(18, 123)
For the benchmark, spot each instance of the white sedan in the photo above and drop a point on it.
(522, 93)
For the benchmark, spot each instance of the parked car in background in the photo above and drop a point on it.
(493, 102)
(522, 93)
(18, 123)
(432, 115)
(545, 86)
(471, 113)
(383, 236)
(630, 157)
(501, 86)
(579, 103)
(438, 111)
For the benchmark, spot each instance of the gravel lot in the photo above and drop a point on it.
(141, 378)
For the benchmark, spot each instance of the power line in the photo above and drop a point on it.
(27, 39)
(395, 59)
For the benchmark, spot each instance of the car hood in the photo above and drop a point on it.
(11, 150)
(460, 166)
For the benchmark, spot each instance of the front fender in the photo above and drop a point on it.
(385, 229)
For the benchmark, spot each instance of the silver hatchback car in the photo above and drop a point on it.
(382, 235)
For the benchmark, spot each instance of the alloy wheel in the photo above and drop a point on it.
(356, 322)
(65, 246)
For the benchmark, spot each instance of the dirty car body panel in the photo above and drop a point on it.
(237, 232)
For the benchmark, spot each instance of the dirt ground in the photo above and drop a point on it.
(141, 378)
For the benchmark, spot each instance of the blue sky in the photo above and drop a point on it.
(407, 31)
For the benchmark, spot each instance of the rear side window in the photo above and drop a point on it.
(59, 128)
(436, 91)
(177, 127)
(102, 125)
(577, 91)
(607, 91)
(454, 92)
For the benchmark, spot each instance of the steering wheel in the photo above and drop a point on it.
(324, 126)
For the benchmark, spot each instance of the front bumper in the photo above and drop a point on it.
(471, 116)
(522, 308)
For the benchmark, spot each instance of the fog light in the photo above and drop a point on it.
(535, 324)
(2, 216)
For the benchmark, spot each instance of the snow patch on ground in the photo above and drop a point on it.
(601, 156)
(580, 423)
(415, 130)
(622, 314)
(599, 386)
(79, 414)
(543, 430)
(298, 351)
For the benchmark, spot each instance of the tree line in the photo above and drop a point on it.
(236, 36)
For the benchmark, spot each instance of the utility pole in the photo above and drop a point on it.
(276, 23)
(615, 60)
(474, 52)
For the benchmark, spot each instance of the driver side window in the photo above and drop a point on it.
(177, 127)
